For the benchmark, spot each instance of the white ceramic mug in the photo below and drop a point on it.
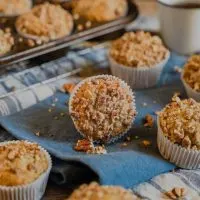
(180, 25)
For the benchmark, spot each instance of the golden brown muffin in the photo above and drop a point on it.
(93, 191)
(46, 21)
(180, 122)
(21, 163)
(102, 108)
(139, 49)
(14, 7)
(191, 72)
(100, 10)
(6, 42)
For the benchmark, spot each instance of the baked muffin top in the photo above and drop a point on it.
(45, 21)
(100, 10)
(93, 191)
(21, 163)
(191, 72)
(102, 108)
(14, 7)
(6, 42)
(139, 49)
(180, 122)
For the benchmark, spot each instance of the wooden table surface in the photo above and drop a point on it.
(56, 192)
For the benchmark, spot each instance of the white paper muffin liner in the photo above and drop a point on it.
(190, 91)
(180, 156)
(123, 84)
(138, 78)
(15, 15)
(32, 191)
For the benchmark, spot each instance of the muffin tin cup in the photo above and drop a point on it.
(15, 15)
(190, 91)
(138, 78)
(113, 138)
(32, 191)
(180, 156)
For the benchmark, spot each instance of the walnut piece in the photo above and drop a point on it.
(175, 194)
(149, 121)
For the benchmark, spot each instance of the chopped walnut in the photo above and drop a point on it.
(138, 49)
(68, 87)
(103, 108)
(87, 146)
(180, 122)
(191, 72)
(84, 145)
(146, 143)
(175, 194)
(149, 121)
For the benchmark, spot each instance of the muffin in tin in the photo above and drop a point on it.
(14, 7)
(138, 58)
(100, 10)
(45, 22)
(6, 42)
(94, 191)
(179, 132)
(102, 108)
(191, 77)
(24, 170)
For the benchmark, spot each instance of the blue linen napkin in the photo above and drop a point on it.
(125, 166)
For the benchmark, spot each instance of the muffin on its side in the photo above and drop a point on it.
(14, 7)
(102, 108)
(6, 42)
(100, 10)
(24, 170)
(138, 58)
(179, 132)
(94, 191)
(191, 77)
(45, 22)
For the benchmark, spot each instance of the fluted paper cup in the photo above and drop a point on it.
(180, 156)
(138, 78)
(123, 84)
(32, 191)
(190, 91)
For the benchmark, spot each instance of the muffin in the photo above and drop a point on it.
(24, 170)
(100, 10)
(102, 108)
(138, 58)
(179, 132)
(94, 191)
(45, 22)
(191, 77)
(14, 7)
(6, 42)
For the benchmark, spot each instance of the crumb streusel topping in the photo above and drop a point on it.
(191, 73)
(6, 42)
(180, 122)
(94, 191)
(139, 49)
(21, 163)
(46, 21)
(15, 7)
(100, 10)
(102, 108)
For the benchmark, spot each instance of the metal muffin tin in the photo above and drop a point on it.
(21, 52)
